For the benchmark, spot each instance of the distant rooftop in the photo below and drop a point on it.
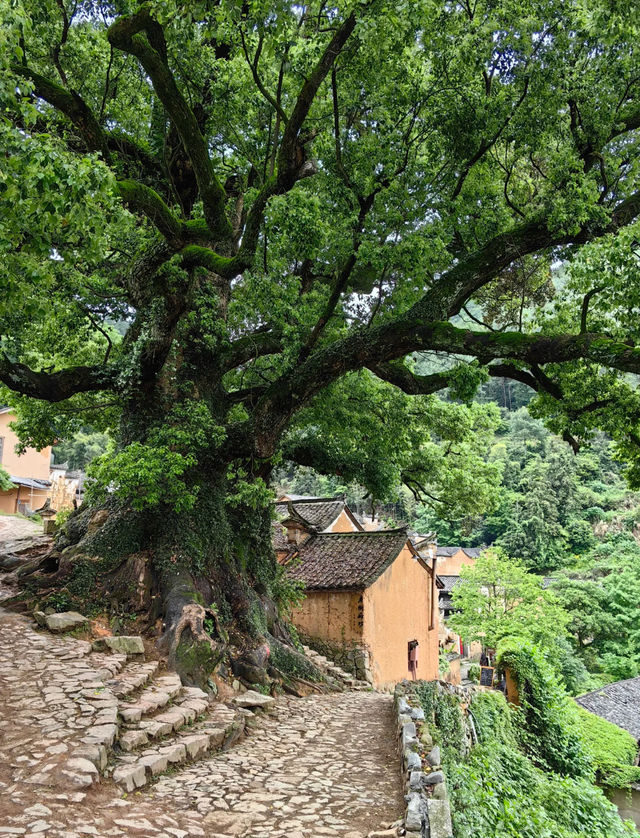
(618, 703)
(446, 552)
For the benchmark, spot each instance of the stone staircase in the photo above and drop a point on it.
(143, 720)
(162, 724)
(334, 671)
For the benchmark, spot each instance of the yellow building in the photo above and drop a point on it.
(29, 472)
(371, 600)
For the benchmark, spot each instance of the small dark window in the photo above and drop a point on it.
(412, 651)
(1, 447)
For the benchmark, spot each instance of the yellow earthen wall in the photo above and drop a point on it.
(451, 565)
(397, 609)
(32, 463)
(329, 615)
(343, 523)
(34, 498)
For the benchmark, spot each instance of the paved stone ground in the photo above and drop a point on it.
(13, 527)
(321, 766)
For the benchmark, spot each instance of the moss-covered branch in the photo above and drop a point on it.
(71, 105)
(126, 35)
(146, 200)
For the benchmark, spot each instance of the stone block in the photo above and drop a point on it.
(440, 791)
(412, 761)
(417, 714)
(130, 777)
(156, 729)
(65, 621)
(434, 757)
(216, 736)
(415, 780)
(131, 714)
(97, 754)
(439, 818)
(79, 772)
(154, 763)
(175, 717)
(131, 739)
(128, 645)
(409, 735)
(252, 699)
(433, 778)
(174, 753)
(196, 745)
(102, 734)
(414, 816)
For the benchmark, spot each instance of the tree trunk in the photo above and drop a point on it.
(206, 581)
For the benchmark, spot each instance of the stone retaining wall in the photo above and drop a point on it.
(350, 656)
(427, 814)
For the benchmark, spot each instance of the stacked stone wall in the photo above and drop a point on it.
(427, 814)
(353, 657)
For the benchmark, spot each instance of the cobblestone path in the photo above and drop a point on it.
(320, 766)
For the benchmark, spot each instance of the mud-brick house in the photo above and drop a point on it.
(29, 472)
(450, 562)
(298, 515)
(371, 599)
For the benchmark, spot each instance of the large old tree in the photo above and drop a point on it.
(234, 231)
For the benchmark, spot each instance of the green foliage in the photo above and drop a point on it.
(371, 434)
(496, 790)
(547, 738)
(143, 476)
(62, 516)
(287, 593)
(497, 598)
(5, 481)
(601, 594)
(494, 719)
(612, 751)
(80, 449)
(444, 710)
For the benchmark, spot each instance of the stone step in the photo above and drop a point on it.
(157, 695)
(221, 728)
(190, 704)
(132, 677)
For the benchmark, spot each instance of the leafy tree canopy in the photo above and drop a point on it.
(498, 598)
(274, 198)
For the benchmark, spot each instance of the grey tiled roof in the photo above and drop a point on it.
(279, 537)
(471, 552)
(618, 703)
(348, 561)
(318, 512)
(449, 582)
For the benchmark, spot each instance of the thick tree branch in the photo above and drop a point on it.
(256, 345)
(55, 386)
(288, 157)
(146, 200)
(452, 290)
(125, 35)
(71, 105)
(409, 382)
(397, 339)
(585, 306)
